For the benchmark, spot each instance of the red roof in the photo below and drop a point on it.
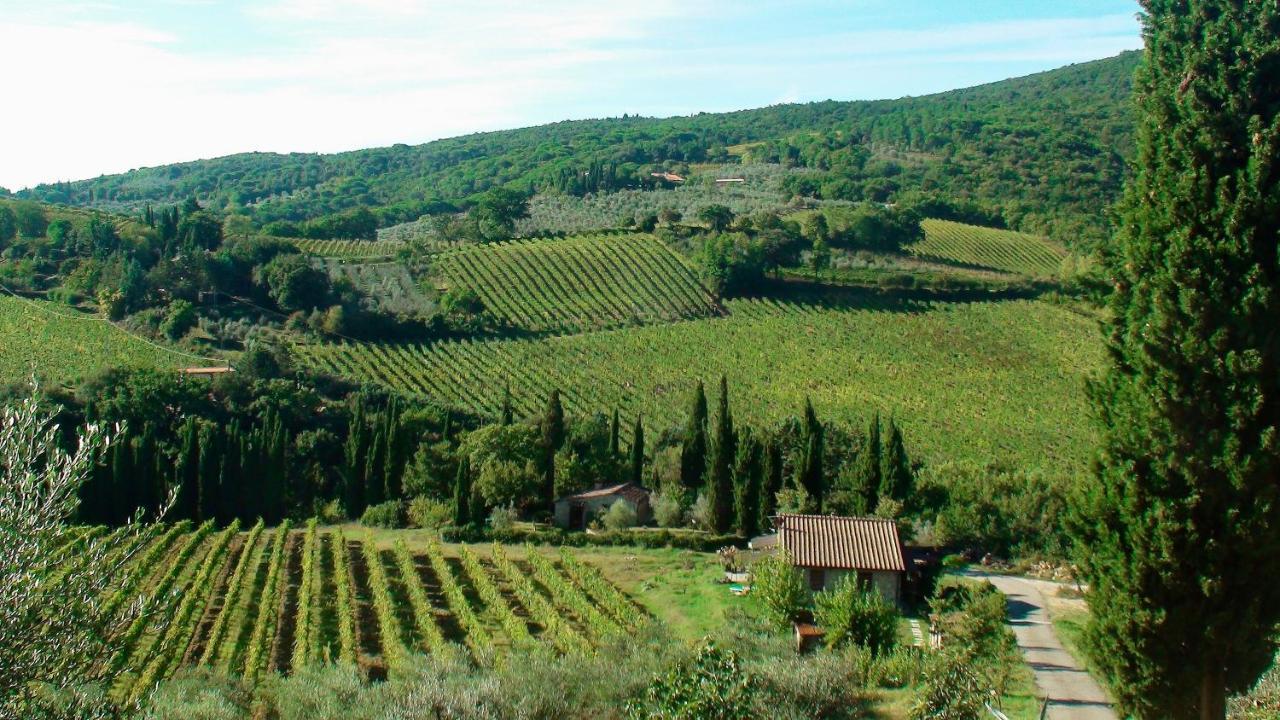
(850, 543)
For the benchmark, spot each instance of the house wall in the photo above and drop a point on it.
(887, 583)
(595, 507)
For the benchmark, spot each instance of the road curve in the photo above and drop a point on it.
(1073, 693)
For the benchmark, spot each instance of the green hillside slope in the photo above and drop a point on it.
(56, 344)
(1046, 147)
(983, 381)
(578, 283)
(989, 248)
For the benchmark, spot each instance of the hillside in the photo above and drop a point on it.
(579, 283)
(57, 344)
(988, 248)
(997, 381)
(1047, 148)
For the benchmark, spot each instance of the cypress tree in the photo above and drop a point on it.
(462, 493)
(748, 480)
(723, 451)
(508, 414)
(693, 450)
(395, 453)
(895, 468)
(150, 492)
(374, 489)
(1179, 527)
(188, 471)
(210, 472)
(614, 449)
(811, 474)
(125, 497)
(868, 478)
(771, 482)
(232, 475)
(637, 452)
(552, 438)
(355, 454)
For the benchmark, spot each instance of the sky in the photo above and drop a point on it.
(97, 87)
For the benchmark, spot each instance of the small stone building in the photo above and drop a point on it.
(827, 548)
(575, 511)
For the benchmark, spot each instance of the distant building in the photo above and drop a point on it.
(669, 177)
(207, 372)
(575, 511)
(726, 181)
(828, 548)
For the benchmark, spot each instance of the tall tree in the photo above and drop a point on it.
(1179, 530)
(693, 450)
(811, 474)
(614, 429)
(552, 438)
(724, 448)
(637, 452)
(895, 467)
(771, 482)
(188, 471)
(748, 479)
(867, 473)
(462, 493)
(508, 415)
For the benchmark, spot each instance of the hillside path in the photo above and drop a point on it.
(1073, 693)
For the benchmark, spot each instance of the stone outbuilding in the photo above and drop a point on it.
(575, 511)
(827, 548)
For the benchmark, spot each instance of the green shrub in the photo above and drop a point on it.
(386, 515)
(780, 588)
(712, 685)
(668, 510)
(428, 513)
(850, 613)
(180, 318)
(502, 519)
(620, 516)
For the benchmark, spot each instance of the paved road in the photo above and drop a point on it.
(1073, 693)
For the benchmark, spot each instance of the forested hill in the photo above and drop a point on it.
(1046, 149)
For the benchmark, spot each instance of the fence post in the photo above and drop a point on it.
(1044, 708)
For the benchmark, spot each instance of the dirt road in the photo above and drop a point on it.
(1073, 693)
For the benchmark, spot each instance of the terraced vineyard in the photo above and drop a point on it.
(363, 249)
(982, 247)
(59, 344)
(981, 381)
(579, 283)
(275, 600)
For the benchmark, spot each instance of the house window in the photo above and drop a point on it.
(817, 578)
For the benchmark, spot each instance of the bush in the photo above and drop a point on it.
(780, 588)
(621, 516)
(180, 318)
(425, 512)
(851, 613)
(386, 515)
(502, 519)
(668, 510)
(712, 685)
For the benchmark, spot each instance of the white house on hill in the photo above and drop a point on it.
(827, 548)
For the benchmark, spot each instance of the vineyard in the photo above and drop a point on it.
(277, 600)
(59, 344)
(979, 381)
(982, 247)
(360, 249)
(579, 283)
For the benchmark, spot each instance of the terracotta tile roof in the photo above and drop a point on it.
(852, 543)
(631, 491)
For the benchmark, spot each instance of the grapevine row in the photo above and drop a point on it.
(264, 625)
(515, 628)
(424, 616)
(562, 635)
(601, 591)
(238, 576)
(476, 633)
(306, 630)
(384, 608)
(344, 598)
(166, 652)
(569, 595)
